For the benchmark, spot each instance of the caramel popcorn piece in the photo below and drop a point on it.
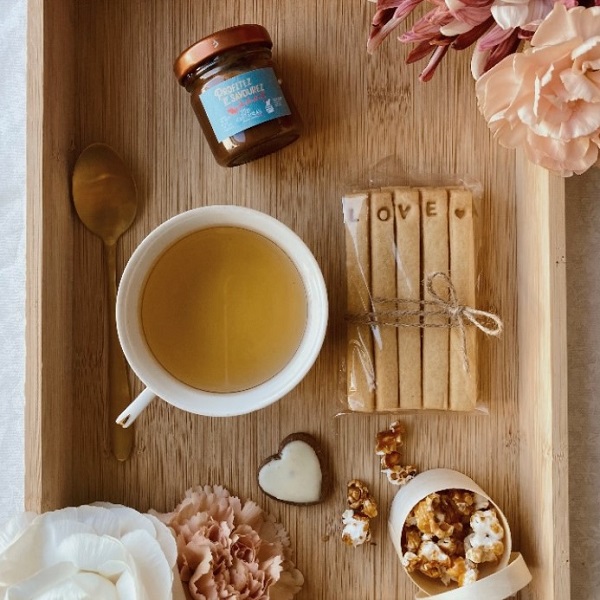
(400, 475)
(391, 460)
(412, 539)
(467, 503)
(360, 499)
(449, 545)
(395, 471)
(432, 516)
(432, 569)
(410, 561)
(464, 501)
(356, 528)
(388, 444)
(357, 492)
(485, 543)
(482, 554)
(431, 551)
(369, 508)
(361, 509)
(390, 439)
(447, 535)
(433, 561)
(462, 572)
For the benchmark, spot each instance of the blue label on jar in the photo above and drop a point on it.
(244, 101)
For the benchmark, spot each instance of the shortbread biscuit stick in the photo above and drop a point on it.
(408, 286)
(383, 285)
(463, 383)
(360, 367)
(434, 226)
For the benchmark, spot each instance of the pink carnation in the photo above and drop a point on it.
(547, 98)
(230, 549)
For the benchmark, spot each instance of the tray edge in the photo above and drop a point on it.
(542, 344)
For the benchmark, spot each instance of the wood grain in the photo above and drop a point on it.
(101, 72)
(542, 277)
(49, 314)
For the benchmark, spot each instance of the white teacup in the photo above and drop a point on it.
(160, 382)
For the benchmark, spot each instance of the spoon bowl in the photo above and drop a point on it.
(105, 198)
(104, 193)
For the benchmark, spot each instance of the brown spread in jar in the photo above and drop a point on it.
(237, 95)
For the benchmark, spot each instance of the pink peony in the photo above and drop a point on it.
(230, 549)
(547, 98)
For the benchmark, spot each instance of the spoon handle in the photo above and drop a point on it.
(118, 384)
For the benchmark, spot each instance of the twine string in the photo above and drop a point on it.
(400, 312)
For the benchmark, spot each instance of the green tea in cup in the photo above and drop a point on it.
(223, 309)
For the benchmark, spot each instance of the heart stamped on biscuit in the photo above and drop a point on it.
(295, 474)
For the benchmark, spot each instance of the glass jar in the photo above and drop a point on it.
(237, 95)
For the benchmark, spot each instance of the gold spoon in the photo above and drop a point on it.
(105, 199)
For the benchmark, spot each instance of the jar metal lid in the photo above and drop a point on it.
(216, 43)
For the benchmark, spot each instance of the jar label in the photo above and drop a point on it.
(244, 101)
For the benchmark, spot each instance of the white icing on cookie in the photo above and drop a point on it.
(293, 477)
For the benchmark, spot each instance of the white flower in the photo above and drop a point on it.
(99, 552)
(527, 14)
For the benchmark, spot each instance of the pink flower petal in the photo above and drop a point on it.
(390, 14)
(586, 57)
(583, 121)
(470, 37)
(227, 548)
(455, 28)
(434, 61)
(563, 25)
(581, 87)
(565, 158)
(494, 36)
(498, 88)
(478, 61)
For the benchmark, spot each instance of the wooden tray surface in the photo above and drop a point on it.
(102, 71)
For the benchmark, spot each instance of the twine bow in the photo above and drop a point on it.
(418, 313)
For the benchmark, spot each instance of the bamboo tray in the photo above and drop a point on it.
(101, 71)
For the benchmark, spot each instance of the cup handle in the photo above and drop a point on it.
(133, 411)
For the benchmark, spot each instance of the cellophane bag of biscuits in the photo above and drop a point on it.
(413, 320)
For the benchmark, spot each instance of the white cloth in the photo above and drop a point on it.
(13, 15)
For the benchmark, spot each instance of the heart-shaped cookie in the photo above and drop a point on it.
(296, 474)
